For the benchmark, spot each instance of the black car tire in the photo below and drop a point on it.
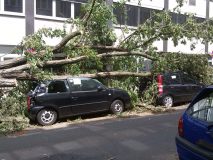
(168, 101)
(46, 117)
(117, 107)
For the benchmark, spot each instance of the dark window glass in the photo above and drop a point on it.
(181, 18)
(132, 15)
(78, 84)
(187, 80)
(174, 17)
(63, 9)
(13, 6)
(203, 108)
(119, 12)
(199, 20)
(145, 13)
(172, 79)
(44, 7)
(57, 87)
(178, 18)
(77, 8)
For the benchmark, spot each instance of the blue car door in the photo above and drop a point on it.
(198, 120)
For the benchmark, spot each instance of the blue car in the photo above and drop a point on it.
(195, 129)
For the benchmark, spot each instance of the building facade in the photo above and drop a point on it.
(19, 18)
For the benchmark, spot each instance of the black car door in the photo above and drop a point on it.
(173, 86)
(88, 95)
(57, 97)
(192, 88)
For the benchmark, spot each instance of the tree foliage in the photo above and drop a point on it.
(89, 46)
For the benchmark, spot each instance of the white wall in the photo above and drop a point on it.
(120, 35)
(156, 4)
(200, 48)
(47, 23)
(211, 10)
(12, 30)
(199, 9)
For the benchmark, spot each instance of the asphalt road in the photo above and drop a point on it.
(139, 138)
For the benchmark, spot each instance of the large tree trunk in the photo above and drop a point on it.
(13, 62)
(8, 82)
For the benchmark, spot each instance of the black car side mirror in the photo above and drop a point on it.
(100, 88)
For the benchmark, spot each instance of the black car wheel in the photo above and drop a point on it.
(168, 101)
(46, 117)
(117, 106)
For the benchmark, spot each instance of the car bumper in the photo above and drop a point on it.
(160, 99)
(33, 111)
(188, 151)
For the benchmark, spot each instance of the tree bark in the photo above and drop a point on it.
(4, 82)
(15, 69)
(106, 74)
(78, 59)
(65, 40)
(8, 82)
(13, 62)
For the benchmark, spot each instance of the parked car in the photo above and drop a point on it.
(176, 87)
(195, 129)
(57, 99)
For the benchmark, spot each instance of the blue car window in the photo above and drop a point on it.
(203, 108)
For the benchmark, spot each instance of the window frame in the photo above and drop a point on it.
(2, 11)
(54, 17)
(52, 13)
(168, 79)
(65, 84)
(203, 95)
(83, 79)
(56, 9)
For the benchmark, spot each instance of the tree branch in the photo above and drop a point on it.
(15, 69)
(65, 40)
(78, 59)
(107, 74)
(13, 62)
(88, 15)
(8, 82)
(70, 36)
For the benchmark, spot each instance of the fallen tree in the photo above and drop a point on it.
(90, 42)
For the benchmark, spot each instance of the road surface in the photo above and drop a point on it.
(138, 138)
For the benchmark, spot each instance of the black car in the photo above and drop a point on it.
(57, 99)
(176, 87)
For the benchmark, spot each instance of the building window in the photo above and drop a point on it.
(192, 2)
(13, 6)
(63, 9)
(132, 15)
(145, 13)
(178, 18)
(44, 7)
(199, 20)
(119, 12)
(77, 7)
